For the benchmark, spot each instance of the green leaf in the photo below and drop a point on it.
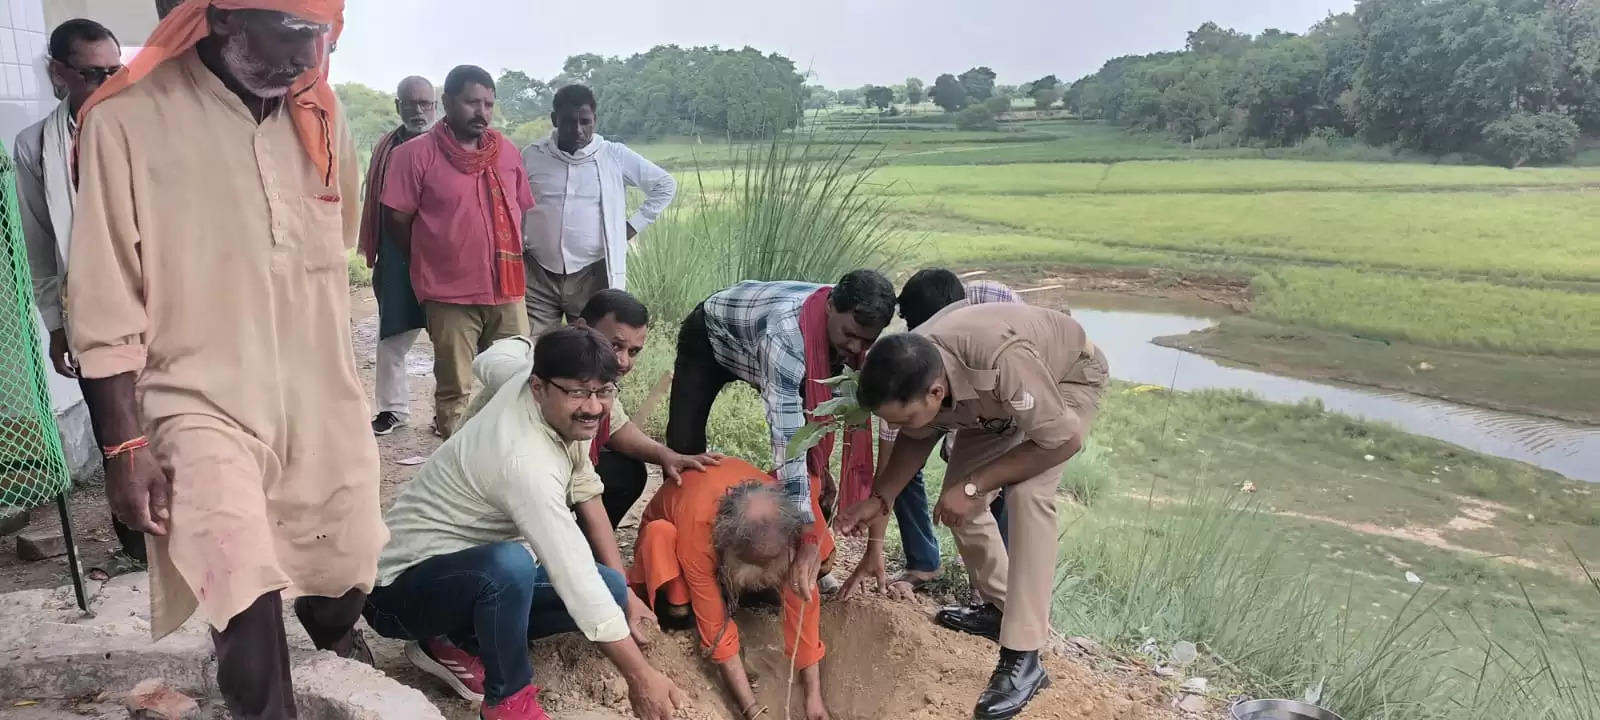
(836, 406)
(806, 438)
(856, 417)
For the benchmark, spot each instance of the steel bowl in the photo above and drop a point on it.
(1279, 710)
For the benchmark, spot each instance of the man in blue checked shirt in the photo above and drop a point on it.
(777, 336)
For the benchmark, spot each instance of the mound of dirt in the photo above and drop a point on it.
(886, 661)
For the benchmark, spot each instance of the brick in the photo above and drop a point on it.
(13, 520)
(40, 545)
(154, 699)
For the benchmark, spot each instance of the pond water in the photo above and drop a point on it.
(1123, 327)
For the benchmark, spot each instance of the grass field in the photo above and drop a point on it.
(1486, 276)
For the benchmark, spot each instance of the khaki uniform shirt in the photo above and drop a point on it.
(1015, 368)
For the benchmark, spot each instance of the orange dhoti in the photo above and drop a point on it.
(674, 556)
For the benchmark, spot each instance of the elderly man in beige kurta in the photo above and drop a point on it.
(208, 261)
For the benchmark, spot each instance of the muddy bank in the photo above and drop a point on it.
(1231, 292)
(1551, 387)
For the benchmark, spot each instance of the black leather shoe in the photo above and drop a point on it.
(1015, 681)
(981, 620)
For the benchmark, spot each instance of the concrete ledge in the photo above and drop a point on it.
(49, 650)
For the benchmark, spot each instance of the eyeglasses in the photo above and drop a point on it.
(94, 75)
(421, 105)
(609, 392)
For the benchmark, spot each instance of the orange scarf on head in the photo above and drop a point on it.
(312, 98)
(506, 243)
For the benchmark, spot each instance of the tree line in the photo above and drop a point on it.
(1517, 81)
(667, 91)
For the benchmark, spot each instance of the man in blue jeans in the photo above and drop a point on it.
(926, 293)
(485, 553)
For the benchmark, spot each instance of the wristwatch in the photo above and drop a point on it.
(970, 489)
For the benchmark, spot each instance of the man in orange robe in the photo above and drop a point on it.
(728, 528)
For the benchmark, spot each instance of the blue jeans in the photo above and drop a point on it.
(490, 600)
(916, 525)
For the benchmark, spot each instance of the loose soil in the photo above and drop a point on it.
(886, 660)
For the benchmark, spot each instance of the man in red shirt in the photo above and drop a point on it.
(454, 202)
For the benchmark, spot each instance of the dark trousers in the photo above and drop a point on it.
(253, 653)
(489, 600)
(697, 378)
(624, 478)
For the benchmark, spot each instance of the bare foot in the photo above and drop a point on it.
(904, 586)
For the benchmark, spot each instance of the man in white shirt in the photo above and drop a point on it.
(485, 554)
(576, 236)
(83, 53)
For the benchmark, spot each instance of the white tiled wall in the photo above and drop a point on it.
(24, 89)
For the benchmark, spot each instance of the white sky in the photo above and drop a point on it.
(847, 43)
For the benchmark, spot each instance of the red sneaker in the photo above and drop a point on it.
(459, 669)
(522, 706)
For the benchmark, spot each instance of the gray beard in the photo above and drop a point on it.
(236, 55)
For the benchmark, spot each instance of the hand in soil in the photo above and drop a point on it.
(139, 492)
(816, 709)
(639, 620)
(804, 570)
(870, 568)
(654, 697)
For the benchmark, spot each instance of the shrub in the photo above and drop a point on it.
(1540, 138)
(802, 207)
(977, 117)
(999, 105)
(1043, 99)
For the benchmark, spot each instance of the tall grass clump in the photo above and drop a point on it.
(1212, 572)
(802, 207)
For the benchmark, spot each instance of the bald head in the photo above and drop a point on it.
(416, 103)
(754, 534)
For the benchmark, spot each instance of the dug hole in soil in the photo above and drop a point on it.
(885, 660)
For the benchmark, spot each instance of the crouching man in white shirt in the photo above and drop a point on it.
(485, 553)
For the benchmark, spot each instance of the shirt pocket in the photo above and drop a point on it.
(323, 239)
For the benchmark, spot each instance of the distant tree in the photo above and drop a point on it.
(979, 83)
(1048, 82)
(878, 96)
(899, 93)
(999, 105)
(1212, 39)
(1043, 99)
(865, 93)
(914, 91)
(819, 97)
(520, 99)
(977, 117)
(848, 96)
(949, 93)
(370, 114)
(1538, 138)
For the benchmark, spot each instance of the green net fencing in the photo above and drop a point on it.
(33, 468)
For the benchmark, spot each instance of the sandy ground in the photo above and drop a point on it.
(886, 659)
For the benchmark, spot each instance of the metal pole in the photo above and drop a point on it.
(72, 552)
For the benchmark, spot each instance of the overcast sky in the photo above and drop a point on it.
(846, 43)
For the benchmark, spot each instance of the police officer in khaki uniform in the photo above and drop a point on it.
(1019, 386)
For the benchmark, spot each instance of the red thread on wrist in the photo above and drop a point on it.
(112, 452)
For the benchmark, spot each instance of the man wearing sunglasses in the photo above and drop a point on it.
(485, 554)
(83, 53)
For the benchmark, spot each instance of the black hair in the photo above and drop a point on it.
(867, 295)
(618, 303)
(573, 97)
(77, 30)
(899, 368)
(464, 75)
(928, 292)
(575, 353)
